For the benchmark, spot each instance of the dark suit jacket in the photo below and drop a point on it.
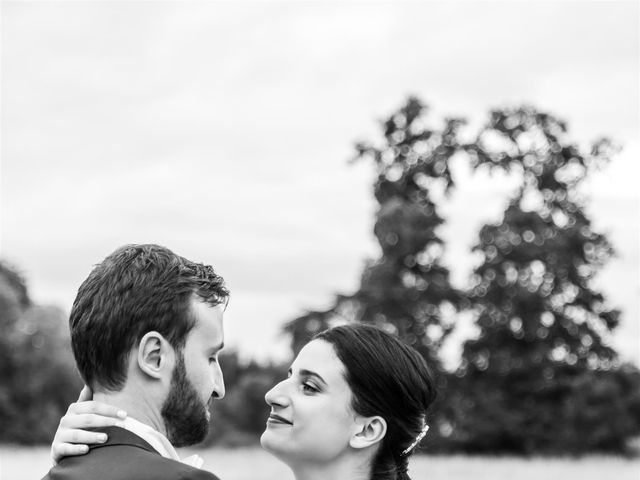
(124, 456)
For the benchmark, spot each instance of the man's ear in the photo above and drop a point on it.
(369, 431)
(153, 355)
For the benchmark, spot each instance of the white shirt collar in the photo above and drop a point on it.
(159, 442)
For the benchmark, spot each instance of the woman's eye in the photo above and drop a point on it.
(308, 387)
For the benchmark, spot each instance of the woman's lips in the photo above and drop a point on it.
(273, 418)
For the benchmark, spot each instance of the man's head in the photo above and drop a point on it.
(144, 310)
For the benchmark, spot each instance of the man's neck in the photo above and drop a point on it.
(137, 406)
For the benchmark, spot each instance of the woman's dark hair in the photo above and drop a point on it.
(389, 379)
(135, 290)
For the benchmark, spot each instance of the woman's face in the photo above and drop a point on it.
(311, 417)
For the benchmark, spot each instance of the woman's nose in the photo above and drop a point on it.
(276, 396)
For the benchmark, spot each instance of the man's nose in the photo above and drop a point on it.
(218, 383)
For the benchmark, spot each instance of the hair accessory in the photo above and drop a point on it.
(420, 436)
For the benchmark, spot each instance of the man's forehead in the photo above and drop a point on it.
(209, 319)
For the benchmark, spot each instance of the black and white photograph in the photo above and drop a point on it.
(305, 240)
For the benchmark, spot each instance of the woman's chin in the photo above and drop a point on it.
(266, 442)
(271, 444)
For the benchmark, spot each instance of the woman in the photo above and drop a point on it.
(352, 407)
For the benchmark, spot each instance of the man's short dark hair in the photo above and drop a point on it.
(135, 290)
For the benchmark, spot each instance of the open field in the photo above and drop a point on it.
(254, 464)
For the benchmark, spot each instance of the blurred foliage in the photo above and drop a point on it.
(577, 411)
(37, 374)
(540, 376)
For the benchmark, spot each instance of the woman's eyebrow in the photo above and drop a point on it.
(309, 373)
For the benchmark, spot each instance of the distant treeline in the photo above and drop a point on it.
(540, 377)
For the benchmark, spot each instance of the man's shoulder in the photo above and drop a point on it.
(124, 462)
(168, 468)
(161, 467)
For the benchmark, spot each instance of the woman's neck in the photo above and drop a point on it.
(350, 468)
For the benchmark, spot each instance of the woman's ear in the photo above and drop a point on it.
(153, 353)
(370, 430)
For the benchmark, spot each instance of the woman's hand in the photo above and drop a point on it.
(70, 438)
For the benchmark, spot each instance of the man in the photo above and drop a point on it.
(146, 330)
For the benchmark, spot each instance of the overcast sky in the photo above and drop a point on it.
(223, 130)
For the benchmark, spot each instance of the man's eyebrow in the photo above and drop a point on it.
(217, 348)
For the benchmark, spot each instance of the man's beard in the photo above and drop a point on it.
(184, 413)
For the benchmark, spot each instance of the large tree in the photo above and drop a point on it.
(406, 290)
(544, 331)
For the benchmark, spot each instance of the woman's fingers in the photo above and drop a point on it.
(79, 437)
(61, 450)
(88, 420)
(73, 441)
(96, 408)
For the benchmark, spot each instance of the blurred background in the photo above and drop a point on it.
(463, 174)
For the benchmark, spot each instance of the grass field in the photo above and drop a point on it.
(254, 464)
